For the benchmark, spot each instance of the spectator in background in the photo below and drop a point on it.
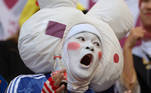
(137, 60)
(11, 65)
(30, 8)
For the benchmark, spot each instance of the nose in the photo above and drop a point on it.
(90, 48)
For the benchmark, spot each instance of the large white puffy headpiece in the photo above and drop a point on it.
(88, 44)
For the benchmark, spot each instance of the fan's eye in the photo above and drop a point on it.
(81, 38)
(96, 44)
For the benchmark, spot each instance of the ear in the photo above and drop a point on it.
(116, 14)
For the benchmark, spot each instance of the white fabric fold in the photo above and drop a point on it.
(57, 3)
(116, 13)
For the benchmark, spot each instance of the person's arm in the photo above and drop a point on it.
(129, 74)
(129, 77)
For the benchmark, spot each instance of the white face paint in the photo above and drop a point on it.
(84, 51)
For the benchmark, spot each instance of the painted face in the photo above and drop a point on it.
(84, 51)
(145, 12)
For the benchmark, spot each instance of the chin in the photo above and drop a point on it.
(146, 22)
(81, 74)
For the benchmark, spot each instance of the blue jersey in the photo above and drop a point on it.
(27, 84)
(30, 84)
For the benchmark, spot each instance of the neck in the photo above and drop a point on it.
(147, 35)
(148, 28)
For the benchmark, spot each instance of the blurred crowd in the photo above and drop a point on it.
(136, 76)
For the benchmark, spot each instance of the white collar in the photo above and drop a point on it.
(138, 51)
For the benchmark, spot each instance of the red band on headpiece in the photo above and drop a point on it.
(57, 57)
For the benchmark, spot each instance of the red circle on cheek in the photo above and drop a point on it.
(73, 46)
(116, 58)
(100, 55)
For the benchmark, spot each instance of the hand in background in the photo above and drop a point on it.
(135, 35)
(129, 77)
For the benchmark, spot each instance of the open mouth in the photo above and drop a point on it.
(86, 60)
